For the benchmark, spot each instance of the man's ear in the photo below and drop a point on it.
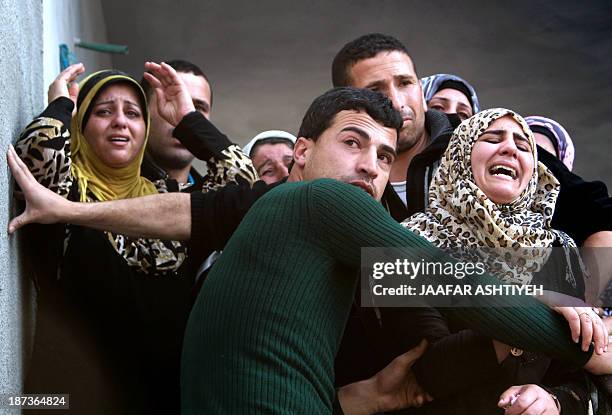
(301, 151)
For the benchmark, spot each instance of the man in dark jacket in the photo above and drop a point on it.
(165, 155)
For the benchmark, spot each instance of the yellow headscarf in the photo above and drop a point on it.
(92, 175)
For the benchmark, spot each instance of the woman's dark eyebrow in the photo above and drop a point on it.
(500, 132)
(112, 100)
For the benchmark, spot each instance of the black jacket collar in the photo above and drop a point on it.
(440, 129)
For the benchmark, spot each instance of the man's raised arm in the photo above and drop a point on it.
(164, 216)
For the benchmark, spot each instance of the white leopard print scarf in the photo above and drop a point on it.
(511, 238)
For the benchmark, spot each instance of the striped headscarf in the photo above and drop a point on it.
(431, 85)
(557, 135)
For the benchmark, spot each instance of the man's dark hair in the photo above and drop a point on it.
(183, 66)
(324, 108)
(271, 140)
(364, 47)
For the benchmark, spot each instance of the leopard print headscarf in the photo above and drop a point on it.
(510, 238)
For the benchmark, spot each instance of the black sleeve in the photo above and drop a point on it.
(583, 208)
(466, 358)
(409, 325)
(201, 137)
(215, 215)
(570, 387)
(60, 109)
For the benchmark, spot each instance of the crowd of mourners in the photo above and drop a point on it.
(235, 288)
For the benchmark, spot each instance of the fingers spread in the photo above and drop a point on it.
(152, 79)
(154, 74)
(164, 75)
(152, 66)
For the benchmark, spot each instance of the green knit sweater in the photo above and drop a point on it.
(266, 326)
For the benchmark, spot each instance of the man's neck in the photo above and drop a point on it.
(295, 175)
(400, 166)
(180, 175)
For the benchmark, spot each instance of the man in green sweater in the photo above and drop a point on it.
(265, 329)
(267, 323)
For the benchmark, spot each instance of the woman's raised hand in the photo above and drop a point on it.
(64, 85)
(173, 98)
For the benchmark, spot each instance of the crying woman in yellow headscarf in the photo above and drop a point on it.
(109, 133)
(98, 157)
(110, 307)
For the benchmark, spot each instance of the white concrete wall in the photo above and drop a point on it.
(30, 34)
(65, 21)
(20, 97)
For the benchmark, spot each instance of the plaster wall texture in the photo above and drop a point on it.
(20, 97)
(30, 34)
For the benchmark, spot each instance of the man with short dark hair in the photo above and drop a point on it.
(382, 63)
(165, 155)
